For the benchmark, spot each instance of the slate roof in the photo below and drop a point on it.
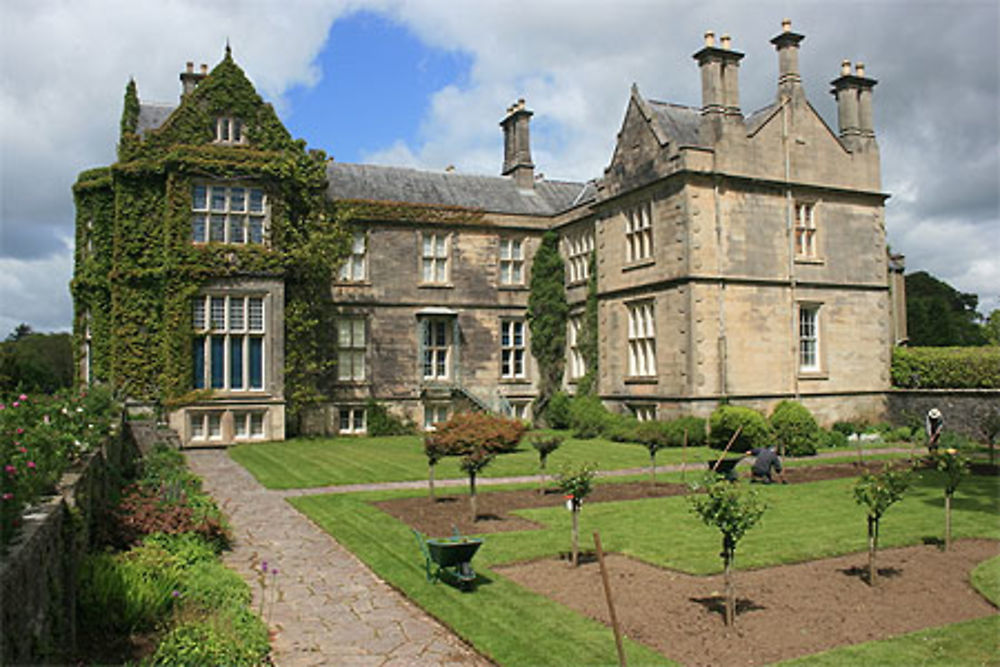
(152, 116)
(493, 194)
(680, 123)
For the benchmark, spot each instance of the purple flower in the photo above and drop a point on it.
(274, 572)
(263, 567)
(175, 593)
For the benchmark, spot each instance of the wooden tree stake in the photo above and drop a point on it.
(611, 605)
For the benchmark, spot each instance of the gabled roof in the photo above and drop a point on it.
(152, 116)
(494, 194)
(678, 122)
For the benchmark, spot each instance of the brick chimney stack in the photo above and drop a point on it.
(190, 79)
(787, 45)
(720, 87)
(854, 106)
(517, 145)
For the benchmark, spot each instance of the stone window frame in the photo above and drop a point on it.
(437, 350)
(215, 319)
(809, 334)
(511, 263)
(355, 267)
(518, 409)
(230, 131)
(513, 354)
(577, 367)
(435, 258)
(249, 425)
(435, 413)
(214, 223)
(205, 425)
(579, 247)
(643, 411)
(352, 420)
(352, 348)
(805, 230)
(639, 233)
(642, 338)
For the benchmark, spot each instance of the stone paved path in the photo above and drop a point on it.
(334, 611)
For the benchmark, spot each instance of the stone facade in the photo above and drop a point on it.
(738, 257)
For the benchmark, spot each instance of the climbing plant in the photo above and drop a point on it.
(137, 270)
(547, 315)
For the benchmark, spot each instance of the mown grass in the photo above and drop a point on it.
(804, 522)
(306, 463)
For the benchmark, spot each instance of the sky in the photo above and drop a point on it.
(424, 83)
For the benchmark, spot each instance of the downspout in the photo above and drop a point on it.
(789, 233)
(723, 344)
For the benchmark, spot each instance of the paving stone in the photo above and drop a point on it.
(332, 609)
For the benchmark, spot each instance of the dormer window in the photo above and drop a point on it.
(229, 131)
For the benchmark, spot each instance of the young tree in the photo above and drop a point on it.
(472, 464)
(545, 446)
(547, 315)
(733, 511)
(877, 493)
(577, 485)
(434, 451)
(654, 437)
(955, 467)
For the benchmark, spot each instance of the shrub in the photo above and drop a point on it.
(834, 438)
(545, 446)
(557, 411)
(727, 418)
(794, 429)
(900, 434)
(696, 432)
(381, 422)
(946, 367)
(847, 428)
(234, 637)
(588, 417)
(468, 431)
(621, 428)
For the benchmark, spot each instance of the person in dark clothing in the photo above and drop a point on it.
(934, 425)
(767, 460)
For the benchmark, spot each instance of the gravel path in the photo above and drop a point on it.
(331, 609)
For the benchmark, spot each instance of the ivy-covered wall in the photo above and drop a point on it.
(138, 280)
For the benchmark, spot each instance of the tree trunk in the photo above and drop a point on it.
(541, 482)
(430, 481)
(872, 546)
(576, 535)
(652, 466)
(472, 496)
(730, 593)
(947, 521)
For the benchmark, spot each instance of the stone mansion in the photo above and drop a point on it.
(739, 257)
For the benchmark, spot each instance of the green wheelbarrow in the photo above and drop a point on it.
(449, 556)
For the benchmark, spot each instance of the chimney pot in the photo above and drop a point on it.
(204, 68)
(860, 69)
(190, 66)
(726, 41)
(845, 68)
(709, 38)
(786, 25)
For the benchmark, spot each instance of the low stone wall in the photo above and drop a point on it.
(964, 410)
(38, 573)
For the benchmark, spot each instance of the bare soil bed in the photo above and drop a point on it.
(452, 510)
(782, 612)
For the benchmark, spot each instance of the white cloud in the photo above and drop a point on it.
(37, 292)
(65, 65)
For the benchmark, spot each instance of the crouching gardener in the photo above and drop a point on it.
(767, 460)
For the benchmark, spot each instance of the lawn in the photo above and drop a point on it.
(804, 522)
(306, 463)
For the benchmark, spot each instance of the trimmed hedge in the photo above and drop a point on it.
(946, 367)
(727, 418)
(795, 429)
